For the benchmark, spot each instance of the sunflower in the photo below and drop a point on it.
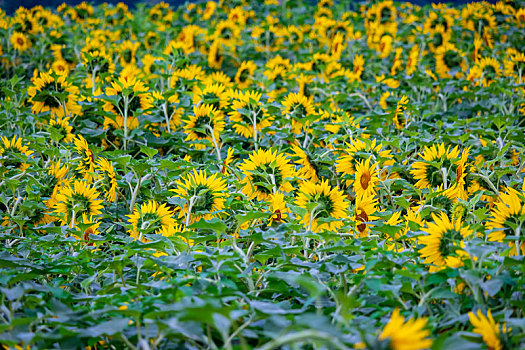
(322, 202)
(215, 56)
(54, 180)
(19, 41)
(132, 95)
(412, 60)
(206, 123)
(215, 95)
(89, 226)
(205, 195)
(429, 174)
(297, 108)
(506, 218)
(10, 150)
(106, 179)
(86, 164)
(266, 172)
(365, 207)
(401, 335)
(400, 120)
(151, 217)
(449, 58)
(278, 208)
(366, 178)
(248, 113)
(361, 149)
(52, 92)
(444, 244)
(127, 52)
(493, 334)
(308, 169)
(75, 201)
(245, 74)
(61, 129)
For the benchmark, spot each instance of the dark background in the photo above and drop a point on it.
(11, 5)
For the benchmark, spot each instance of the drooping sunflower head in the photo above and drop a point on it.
(322, 202)
(151, 218)
(205, 195)
(266, 172)
(76, 200)
(443, 246)
(206, 123)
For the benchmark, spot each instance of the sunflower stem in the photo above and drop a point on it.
(126, 104)
(190, 207)
(254, 119)
(217, 149)
(518, 242)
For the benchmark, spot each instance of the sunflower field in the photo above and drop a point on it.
(273, 175)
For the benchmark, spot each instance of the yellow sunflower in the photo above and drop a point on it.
(127, 52)
(206, 123)
(278, 208)
(19, 41)
(308, 170)
(266, 172)
(297, 107)
(399, 334)
(215, 95)
(365, 208)
(52, 92)
(506, 218)
(76, 200)
(491, 332)
(248, 114)
(10, 150)
(430, 175)
(361, 149)
(444, 244)
(151, 217)
(106, 179)
(366, 178)
(245, 74)
(449, 58)
(132, 95)
(61, 128)
(86, 164)
(322, 202)
(205, 195)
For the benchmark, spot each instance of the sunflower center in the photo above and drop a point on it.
(127, 55)
(20, 41)
(365, 179)
(386, 13)
(363, 218)
(245, 73)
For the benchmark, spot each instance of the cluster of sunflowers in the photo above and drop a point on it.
(387, 139)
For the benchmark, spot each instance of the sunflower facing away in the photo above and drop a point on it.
(506, 215)
(493, 334)
(132, 95)
(10, 150)
(205, 195)
(52, 92)
(443, 247)
(297, 107)
(266, 172)
(153, 218)
(322, 202)
(76, 200)
(399, 334)
(248, 113)
(206, 123)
